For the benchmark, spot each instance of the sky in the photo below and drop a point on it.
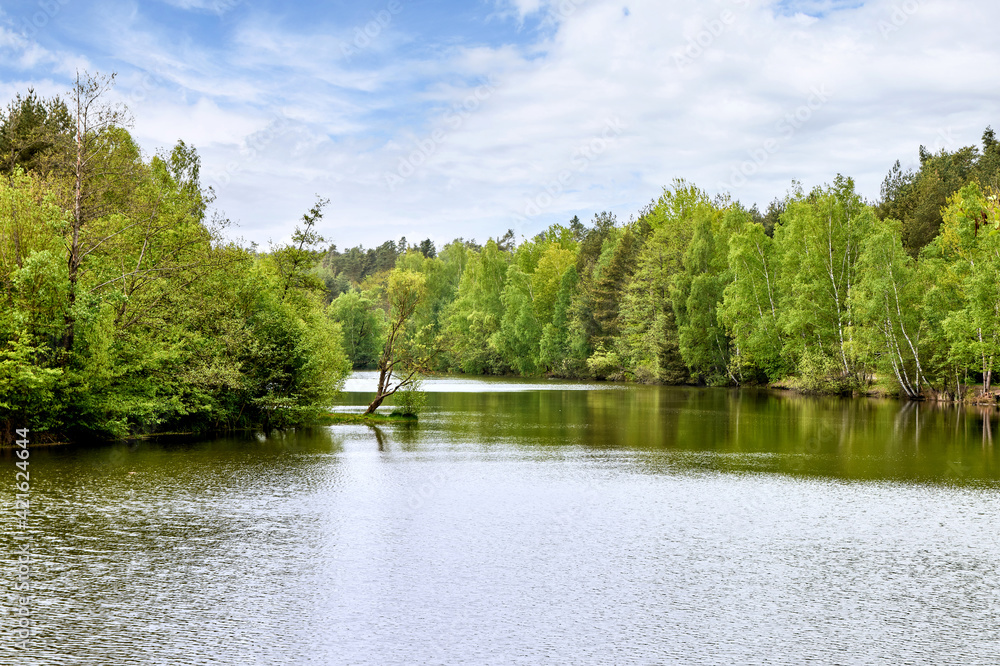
(444, 119)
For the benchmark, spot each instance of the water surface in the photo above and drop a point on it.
(526, 522)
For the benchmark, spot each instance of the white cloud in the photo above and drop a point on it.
(19, 51)
(742, 95)
(212, 6)
(527, 7)
(519, 9)
(709, 121)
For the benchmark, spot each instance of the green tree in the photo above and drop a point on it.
(918, 198)
(546, 280)
(362, 324)
(555, 353)
(34, 134)
(648, 347)
(293, 363)
(125, 309)
(294, 262)
(475, 315)
(104, 162)
(427, 248)
(971, 241)
(443, 273)
(397, 367)
(696, 293)
(887, 299)
(819, 240)
(987, 170)
(750, 306)
(519, 334)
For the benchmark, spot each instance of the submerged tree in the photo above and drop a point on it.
(397, 368)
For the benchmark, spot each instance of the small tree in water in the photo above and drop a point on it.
(411, 400)
(397, 368)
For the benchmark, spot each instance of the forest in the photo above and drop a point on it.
(128, 310)
(822, 292)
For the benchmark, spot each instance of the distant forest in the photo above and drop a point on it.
(822, 291)
(126, 310)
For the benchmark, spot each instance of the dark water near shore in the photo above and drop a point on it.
(524, 522)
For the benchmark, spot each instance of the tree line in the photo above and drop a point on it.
(125, 309)
(823, 291)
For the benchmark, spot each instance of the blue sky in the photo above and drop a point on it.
(442, 119)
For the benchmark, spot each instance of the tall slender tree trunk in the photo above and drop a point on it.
(73, 260)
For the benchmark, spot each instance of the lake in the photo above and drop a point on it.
(526, 522)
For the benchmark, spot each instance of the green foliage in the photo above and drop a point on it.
(749, 309)
(294, 262)
(611, 277)
(362, 324)
(649, 341)
(696, 294)
(442, 274)
(351, 267)
(32, 132)
(519, 334)
(546, 279)
(819, 242)
(27, 387)
(409, 401)
(476, 314)
(918, 198)
(887, 303)
(124, 310)
(968, 257)
(554, 348)
(402, 354)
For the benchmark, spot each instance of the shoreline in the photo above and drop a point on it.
(974, 397)
(53, 440)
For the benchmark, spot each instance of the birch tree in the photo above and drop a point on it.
(749, 308)
(969, 244)
(820, 241)
(887, 299)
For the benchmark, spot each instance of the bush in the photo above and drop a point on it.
(409, 401)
